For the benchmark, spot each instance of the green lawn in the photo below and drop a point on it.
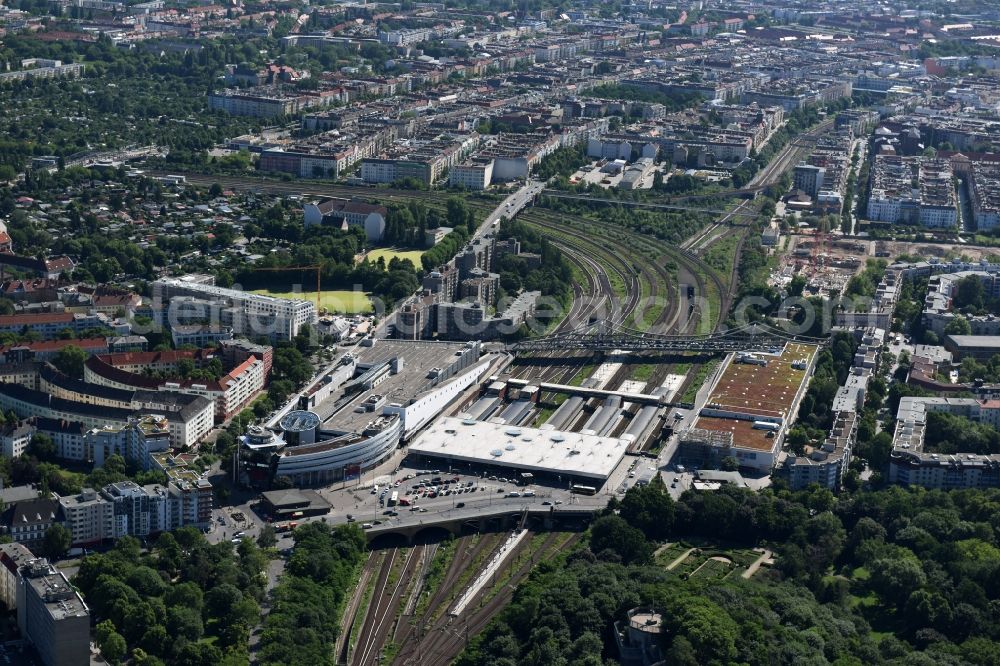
(643, 373)
(701, 375)
(341, 301)
(389, 252)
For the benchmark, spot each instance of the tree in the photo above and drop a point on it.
(613, 534)
(969, 292)
(895, 578)
(267, 538)
(184, 622)
(42, 447)
(69, 360)
(958, 326)
(649, 508)
(113, 647)
(224, 443)
(58, 539)
(282, 483)
(730, 464)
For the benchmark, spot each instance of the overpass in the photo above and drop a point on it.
(493, 518)
(610, 337)
(557, 194)
(626, 396)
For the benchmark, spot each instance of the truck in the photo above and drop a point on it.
(765, 425)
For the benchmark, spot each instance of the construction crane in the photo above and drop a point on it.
(315, 267)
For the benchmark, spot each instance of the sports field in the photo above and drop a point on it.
(342, 301)
(389, 252)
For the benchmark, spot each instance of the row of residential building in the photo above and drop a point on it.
(827, 463)
(913, 190)
(911, 464)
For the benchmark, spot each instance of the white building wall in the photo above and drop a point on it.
(418, 414)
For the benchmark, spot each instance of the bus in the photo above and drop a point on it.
(583, 490)
(393, 499)
(285, 527)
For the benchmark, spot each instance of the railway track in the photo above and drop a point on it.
(367, 624)
(341, 647)
(689, 265)
(569, 232)
(381, 618)
(413, 631)
(449, 637)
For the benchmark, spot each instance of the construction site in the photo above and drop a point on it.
(826, 263)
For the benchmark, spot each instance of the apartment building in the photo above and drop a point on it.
(15, 439)
(45, 350)
(913, 190)
(12, 557)
(252, 315)
(269, 102)
(984, 190)
(42, 68)
(230, 393)
(50, 325)
(189, 417)
(344, 214)
(27, 521)
(472, 175)
(910, 464)
(808, 178)
(67, 436)
(136, 441)
(88, 517)
(425, 158)
(144, 510)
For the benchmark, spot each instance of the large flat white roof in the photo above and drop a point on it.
(517, 447)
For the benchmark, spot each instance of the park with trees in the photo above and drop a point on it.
(894, 576)
(184, 601)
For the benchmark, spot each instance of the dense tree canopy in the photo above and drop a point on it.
(894, 576)
(186, 601)
(302, 624)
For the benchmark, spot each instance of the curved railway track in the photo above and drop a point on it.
(690, 268)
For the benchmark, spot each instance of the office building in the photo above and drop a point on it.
(52, 616)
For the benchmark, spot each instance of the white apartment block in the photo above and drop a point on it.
(253, 315)
(136, 441)
(913, 190)
(984, 191)
(471, 176)
(16, 440)
(89, 517)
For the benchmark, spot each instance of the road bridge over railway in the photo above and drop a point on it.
(605, 338)
(626, 396)
(503, 516)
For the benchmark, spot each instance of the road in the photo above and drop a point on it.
(688, 417)
(512, 205)
(507, 208)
